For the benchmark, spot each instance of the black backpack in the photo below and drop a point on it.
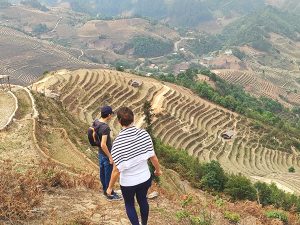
(93, 134)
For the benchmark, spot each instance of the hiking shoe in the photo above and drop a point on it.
(114, 197)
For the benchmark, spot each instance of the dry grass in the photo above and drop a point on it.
(22, 193)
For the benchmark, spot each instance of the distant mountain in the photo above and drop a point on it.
(188, 13)
(290, 5)
(253, 29)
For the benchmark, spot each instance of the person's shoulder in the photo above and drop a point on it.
(104, 126)
(143, 132)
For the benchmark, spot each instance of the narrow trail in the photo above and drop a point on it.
(178, 42)
(60, 19)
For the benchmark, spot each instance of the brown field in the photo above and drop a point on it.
(183, 120)
(256, 85)
(25, 58)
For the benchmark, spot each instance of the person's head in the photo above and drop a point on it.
(106, 112)
(125, 116)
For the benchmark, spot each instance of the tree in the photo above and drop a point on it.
(148, 113)
(40, 28)
(240, 188)
(214, 177)
(147, 109)
(264, 193)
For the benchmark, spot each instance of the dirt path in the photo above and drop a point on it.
(74, 205)
(178, 42)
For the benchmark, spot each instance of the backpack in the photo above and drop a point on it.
(93, 134)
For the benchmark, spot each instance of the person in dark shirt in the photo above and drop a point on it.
(104, 152)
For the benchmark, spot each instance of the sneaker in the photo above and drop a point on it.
(119, 192)
(114, 197)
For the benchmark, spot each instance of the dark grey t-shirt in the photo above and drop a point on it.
(104, 130)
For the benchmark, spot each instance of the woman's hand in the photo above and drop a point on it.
(157, 173)
(108, 191)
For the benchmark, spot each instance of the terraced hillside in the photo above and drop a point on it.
(183, 120)
(254, 83)
(21, 56)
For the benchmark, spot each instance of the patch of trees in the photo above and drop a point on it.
(35, 4)
(204, 44)
(145, 46)
(239, 54)
(40, 28)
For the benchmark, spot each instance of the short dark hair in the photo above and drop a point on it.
(106, 111)
(125, 116)
(104, 115)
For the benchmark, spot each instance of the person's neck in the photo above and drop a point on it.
(103, 120)
(124, 127)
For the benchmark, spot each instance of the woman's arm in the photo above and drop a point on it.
(155, 163)
(114, 176)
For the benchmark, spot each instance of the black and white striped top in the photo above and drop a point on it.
(131, 147)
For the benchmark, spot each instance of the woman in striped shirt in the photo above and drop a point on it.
(130, 152)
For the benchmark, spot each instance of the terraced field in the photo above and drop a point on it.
(183, 120)
(8, 107)
(26, 58)
(252, 83)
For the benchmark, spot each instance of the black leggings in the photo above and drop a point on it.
(140, 191)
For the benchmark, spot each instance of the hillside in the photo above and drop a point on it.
(22, 56)
(183, 120)
(53, 191)
(90, 39)
(38, 188)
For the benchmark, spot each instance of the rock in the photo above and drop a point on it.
(153, 195)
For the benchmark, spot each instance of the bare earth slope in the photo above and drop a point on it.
(183, 120)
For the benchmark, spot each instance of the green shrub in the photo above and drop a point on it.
(264, 193)
(184, 164)
(277, 215)
(232, 217)
(291, 169)
(214, 177)
(239, 188)
(180, 215)
(219, 202)
(187, 201)
(278, 197)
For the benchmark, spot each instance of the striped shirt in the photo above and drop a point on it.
(130, 152)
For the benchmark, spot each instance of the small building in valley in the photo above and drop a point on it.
(135, 83)
(228, 134)
(5, 82)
